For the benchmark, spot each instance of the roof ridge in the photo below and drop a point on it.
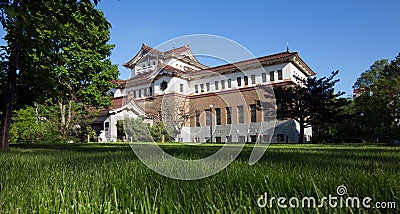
(184, 47)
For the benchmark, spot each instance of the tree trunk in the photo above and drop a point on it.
(65, 117)
(62, 119)
(301, 136)
(7, 107)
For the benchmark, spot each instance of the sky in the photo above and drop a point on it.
(344, 35)
(348, 36)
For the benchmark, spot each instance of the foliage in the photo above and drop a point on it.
(137, 129)
(81, 134)
(29, 125)
(158, 131)
(370, 76)
(36, 31)
(379, 104)
(312, 102)
(108, 178)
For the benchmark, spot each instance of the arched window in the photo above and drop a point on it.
(163, 86)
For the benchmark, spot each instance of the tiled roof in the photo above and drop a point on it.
(170, 68)
(147, 49)
(150, 49)
(160, 68)
(119, 82)
(117, 102)
(176, 50)
(246, 62)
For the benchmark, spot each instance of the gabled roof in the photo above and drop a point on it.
(149, 50)
(131, 106)
(119, 104)
(160, 70)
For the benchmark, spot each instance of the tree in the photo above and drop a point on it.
(137, 129)
(379, 103)
(310, 103)
(25, 22)
(79, 67)
(175, 113)
(31, 124)
(370, 76)
(158, 131)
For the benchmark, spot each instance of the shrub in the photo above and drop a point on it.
(28, 126)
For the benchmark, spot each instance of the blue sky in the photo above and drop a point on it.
(329, 35)
(348, 36)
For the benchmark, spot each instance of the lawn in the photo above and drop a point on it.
(108, 178)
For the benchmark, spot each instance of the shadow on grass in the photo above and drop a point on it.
(363, 158)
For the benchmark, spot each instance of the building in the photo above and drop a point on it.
(175, 87)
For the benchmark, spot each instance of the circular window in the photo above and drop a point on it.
(163, 86)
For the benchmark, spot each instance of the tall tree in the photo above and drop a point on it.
(24, 21)
(312, 102)
(79, 68)
(379, 104)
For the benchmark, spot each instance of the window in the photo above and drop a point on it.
(271, 76)
(239, 81)
(181, 88)
(208, 117)
(197, 118)
(163, 85)
(150, 91)
(196, 89)
(253, 79)
(216, 85)
(280, 76)
(202, 87)
(218, 116)
(253, 111)
(240, 114)
(208, 86)
(228, 115)
(229, 138)
(140, 93)
(134, 94)
(266, 138)
(265, 112)
(218, 139)
(246, 80)
(229, 83)
(264, 77)
(253, 138)
(242, 139)
(106, 126)
(145, 92)
(154, 63)
(222, 84)
(280, 137)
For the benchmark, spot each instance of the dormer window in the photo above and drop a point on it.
(163, 86)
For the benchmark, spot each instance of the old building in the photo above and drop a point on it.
(227, 103)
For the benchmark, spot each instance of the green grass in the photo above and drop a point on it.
(108, 178)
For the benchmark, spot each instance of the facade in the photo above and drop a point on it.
(225, 103)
